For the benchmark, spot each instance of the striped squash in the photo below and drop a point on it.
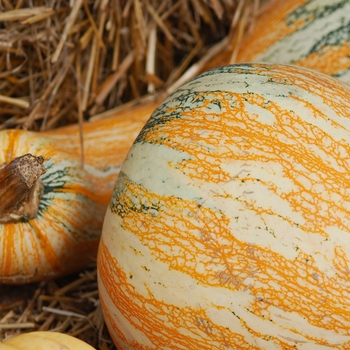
(309, 33)
(228, 227)
(63, 237)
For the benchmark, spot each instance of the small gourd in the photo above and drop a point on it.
(51, 204)
(41, 340)
(228, 227)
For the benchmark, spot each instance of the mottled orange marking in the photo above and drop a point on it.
(299, 285)
(266, 31)
(162, 323)
(89, 191)
(83, 216)
(43, 245)
(269, 28)
(272, 26)
(8, 246)
(42, 248)
(214, 139)
(10, 151)
(330, 60)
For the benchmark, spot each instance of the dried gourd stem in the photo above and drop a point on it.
(20, 188)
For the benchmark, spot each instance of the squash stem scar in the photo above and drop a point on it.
(20, 188)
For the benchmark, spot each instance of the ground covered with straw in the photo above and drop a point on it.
(69, 305)
(64, 62)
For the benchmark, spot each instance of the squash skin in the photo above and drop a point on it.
(308, 33)
(228, 225)
(44, 340)
(64, 236)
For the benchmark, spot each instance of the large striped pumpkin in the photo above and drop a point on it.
(63, 236)
(229, 227)
(310, 33)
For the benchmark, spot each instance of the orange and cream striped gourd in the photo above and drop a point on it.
(228, 227)
(309, 33)
(63, 236)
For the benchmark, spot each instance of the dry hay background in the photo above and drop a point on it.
(63, 62)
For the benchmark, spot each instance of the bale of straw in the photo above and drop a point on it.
(64, 61)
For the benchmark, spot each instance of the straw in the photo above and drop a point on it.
(123, 50)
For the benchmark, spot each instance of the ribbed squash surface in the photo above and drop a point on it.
(310, 33)
(229, 226)
(64, 236)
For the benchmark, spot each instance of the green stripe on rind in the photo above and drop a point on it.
(326, 24)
